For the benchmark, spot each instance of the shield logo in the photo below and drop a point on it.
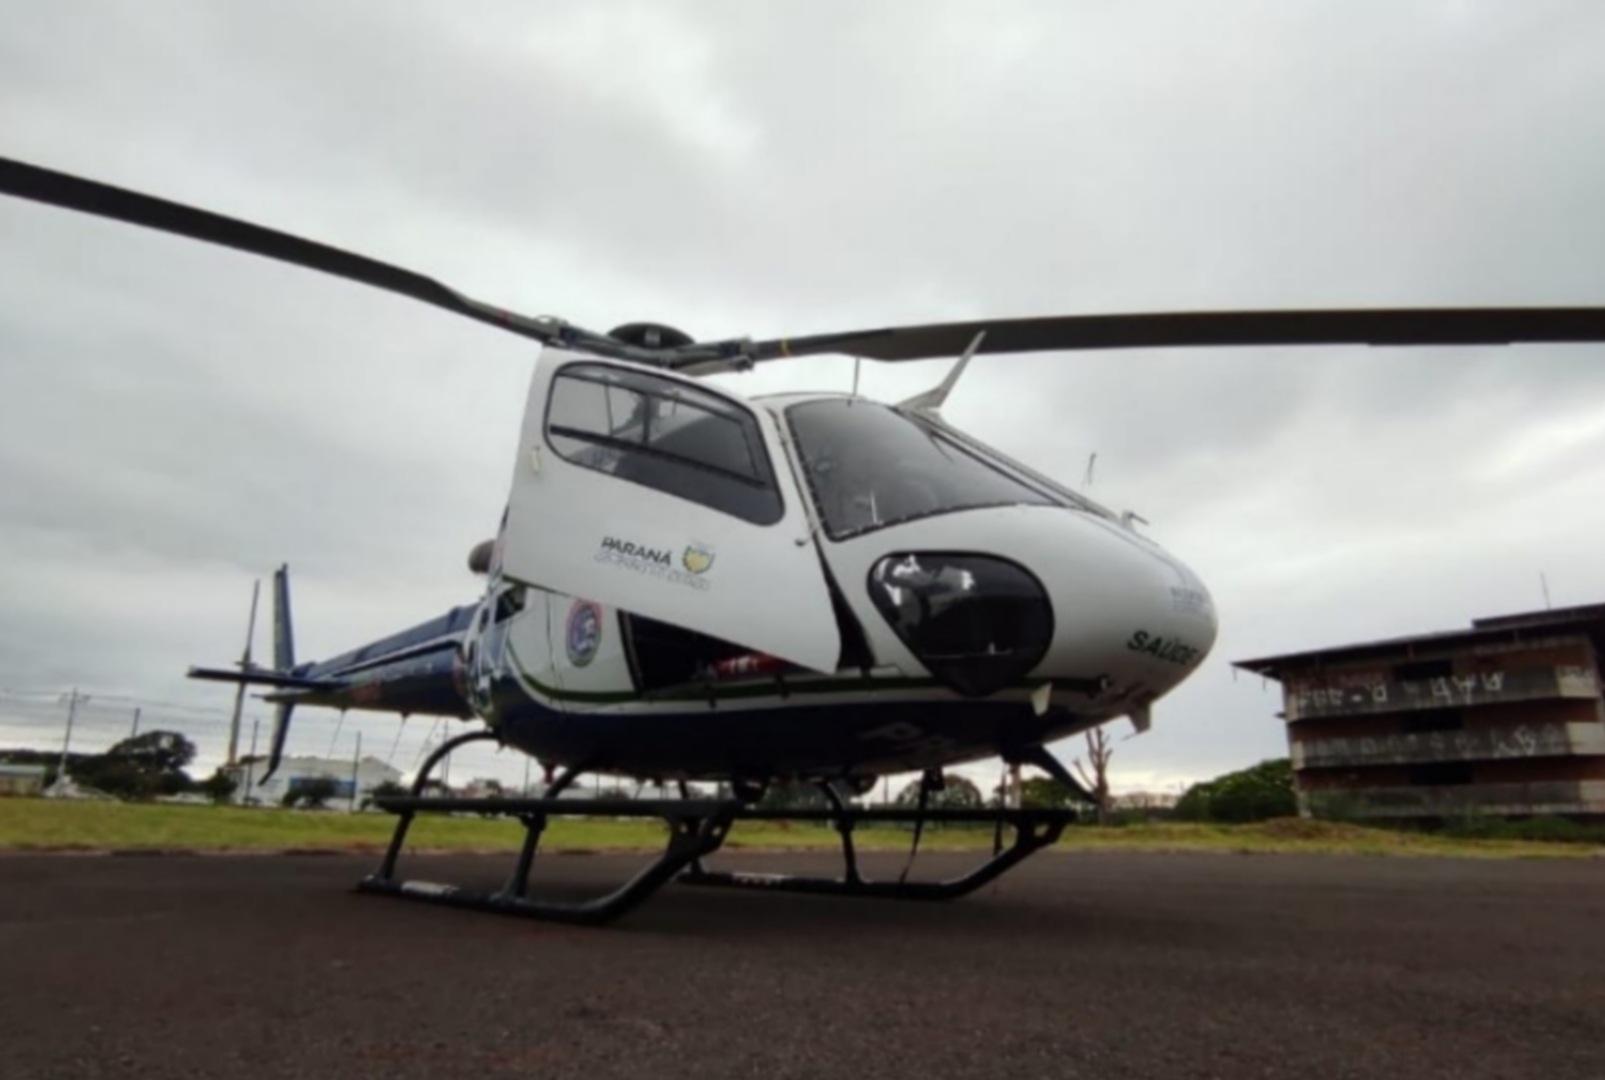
(584, 632)
(697, 558)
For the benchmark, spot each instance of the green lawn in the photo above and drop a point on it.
(51, 825)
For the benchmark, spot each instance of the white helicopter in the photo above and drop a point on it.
(691, 585)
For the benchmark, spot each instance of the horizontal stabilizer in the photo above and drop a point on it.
(264, 677)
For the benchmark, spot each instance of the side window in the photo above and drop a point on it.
(509, 603)
(664, 435)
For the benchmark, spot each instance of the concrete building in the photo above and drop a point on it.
(1501, 718)
(22, 779)
(294, 773)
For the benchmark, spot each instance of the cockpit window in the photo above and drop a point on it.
(869, 466)
(665, 435)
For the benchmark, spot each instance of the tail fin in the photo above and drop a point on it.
(283, 635)
(283, 662)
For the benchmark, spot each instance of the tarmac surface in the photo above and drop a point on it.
(1078, 965)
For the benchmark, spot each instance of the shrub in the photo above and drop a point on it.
(1257, 793)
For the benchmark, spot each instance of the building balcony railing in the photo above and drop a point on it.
(1358, 696)
(1528, 740)
(1458, 800)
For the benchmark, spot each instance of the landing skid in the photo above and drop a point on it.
(697, 828)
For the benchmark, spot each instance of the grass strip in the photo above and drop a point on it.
(69, 825)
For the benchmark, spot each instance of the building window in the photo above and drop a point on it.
(1420, 670)
(1433, 720)
(1440, 774)
(664, 435)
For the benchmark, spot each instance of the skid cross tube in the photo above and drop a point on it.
(1033, 831)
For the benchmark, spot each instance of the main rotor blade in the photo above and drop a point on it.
(103, 200)
(1380, 326)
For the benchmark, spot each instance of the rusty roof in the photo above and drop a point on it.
(1586, 618)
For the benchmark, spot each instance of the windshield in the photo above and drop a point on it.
(868, 466)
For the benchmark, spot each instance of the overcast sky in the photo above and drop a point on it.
(176, 420)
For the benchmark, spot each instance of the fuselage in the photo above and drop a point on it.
(979, 607)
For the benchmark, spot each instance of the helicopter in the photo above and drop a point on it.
(691, 585)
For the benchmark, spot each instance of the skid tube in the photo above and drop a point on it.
(1034, 830)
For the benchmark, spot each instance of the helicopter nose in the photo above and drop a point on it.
(1052, 595)
(1126, 611)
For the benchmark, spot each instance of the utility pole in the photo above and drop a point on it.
(239, 691)
(73, 700)
(356, 763)
(250, 764)
(135, 729)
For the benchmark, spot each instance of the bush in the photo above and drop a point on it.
(793, 795)
(1257, 793)
(383, 788)
(218, 787)
(1544, 828)
(312, 791)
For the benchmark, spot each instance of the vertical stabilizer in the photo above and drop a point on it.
(283, 636)
(283, 662)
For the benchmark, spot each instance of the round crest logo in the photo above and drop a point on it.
(697, 558)
(584, 632)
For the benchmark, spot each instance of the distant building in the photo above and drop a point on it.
(22, 779)
(295, 773)
(1502, 718)
(1144, 800)
(484, 787)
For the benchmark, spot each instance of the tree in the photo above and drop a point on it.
(1045, 793)
(1095, 774)
(956, 793)
(1253, 794)
(158, 751)
(141, 767)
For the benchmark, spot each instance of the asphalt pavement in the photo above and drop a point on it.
(1097, 965)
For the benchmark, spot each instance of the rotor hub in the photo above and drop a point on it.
(649, 335)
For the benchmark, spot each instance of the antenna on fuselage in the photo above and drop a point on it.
(932, 400)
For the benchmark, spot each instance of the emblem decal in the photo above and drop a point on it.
(653, 561)
(697, 558)
(583, 635)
